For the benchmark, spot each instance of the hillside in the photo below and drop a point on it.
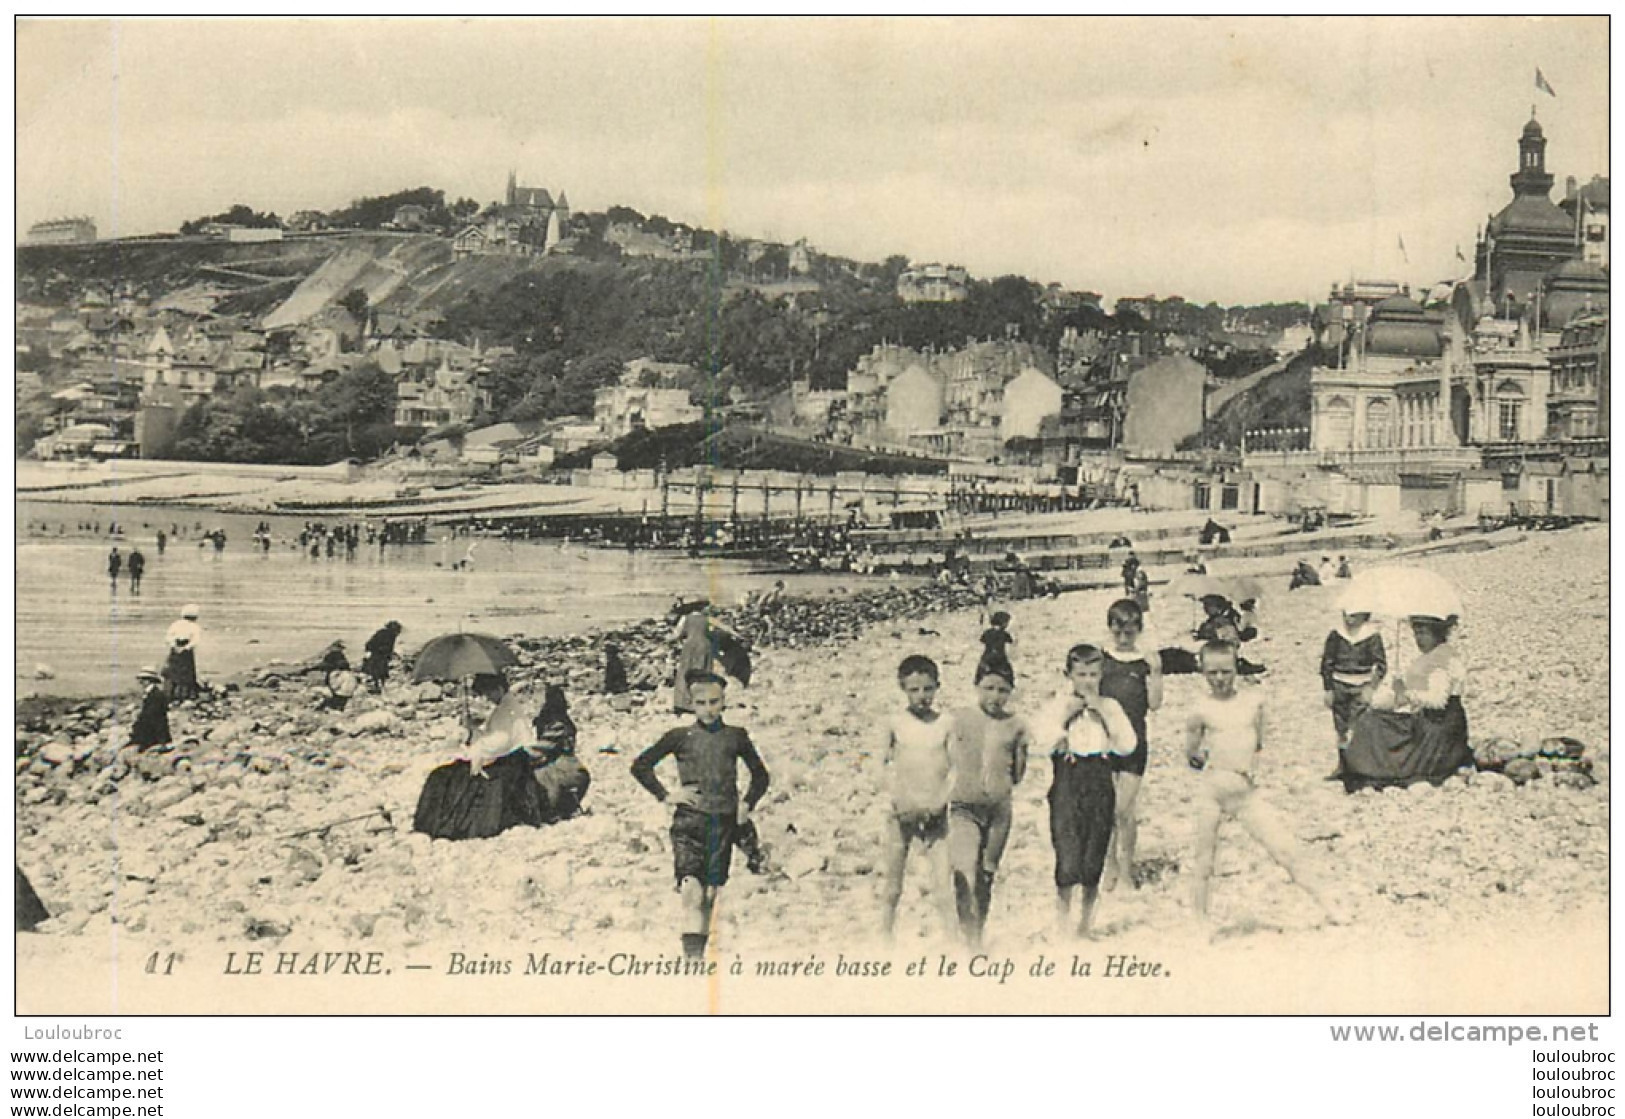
(382, 266)
(1280, 398)
(57, 274)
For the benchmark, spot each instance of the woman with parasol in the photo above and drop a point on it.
(1416, 727)
(492, 787)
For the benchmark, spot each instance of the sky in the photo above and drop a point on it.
(1228, 160)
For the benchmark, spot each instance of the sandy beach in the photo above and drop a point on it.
(1477, 896)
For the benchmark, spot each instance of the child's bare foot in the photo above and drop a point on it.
(1108, 880)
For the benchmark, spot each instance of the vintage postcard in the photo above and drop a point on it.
(1071, 516)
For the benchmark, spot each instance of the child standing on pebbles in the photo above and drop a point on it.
(1352, 664)
(914, 746)
(1134, 680)
(1223, 737)
(1083, 730)
(709, 811)
(987, 747)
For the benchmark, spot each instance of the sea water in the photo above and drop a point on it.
(259, 607)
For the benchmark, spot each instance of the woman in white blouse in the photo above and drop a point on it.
(1418, 730)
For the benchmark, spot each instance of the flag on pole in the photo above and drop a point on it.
(1402, 251)
(1542, 84)
(1459, 256)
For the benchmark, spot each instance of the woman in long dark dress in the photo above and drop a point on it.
(1421, 733)
(180, 671)
(380, 648)
(152, 723)
(492, 789)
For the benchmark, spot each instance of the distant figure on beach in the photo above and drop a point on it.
(564, 780)
(700, 636)
(996, 642)
(152, 724)
(379, 649)
(1213, 533)
(163, 542)
(615, 682)
(1220, 622)
(1304, 575)
(137, 565)
(1327, 570)
(1223, 737)
(341, 681)
(1142, 590)
(114, 563)
(1131, 568)
(772, 598)
(1343, 569)
(183, 637)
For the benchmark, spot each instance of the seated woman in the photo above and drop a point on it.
(1221, 623)
(562, 777)
(492, 789)
(1416, 728)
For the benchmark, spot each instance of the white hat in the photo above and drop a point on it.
(190, 610)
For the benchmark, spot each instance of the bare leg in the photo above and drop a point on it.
(1272, 834)
(936, 854)
(998, 835)
(1120, 855)
(696, 917)
(964, 861)
(1063, 907)
(1086, 922)
(893, 858)
(1207, 839)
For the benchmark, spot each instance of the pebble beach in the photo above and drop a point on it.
(270, 827)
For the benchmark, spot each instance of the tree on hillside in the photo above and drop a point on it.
(355, 301)
(238, 214)
(374, 213)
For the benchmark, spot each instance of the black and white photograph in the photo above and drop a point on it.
(849, 516)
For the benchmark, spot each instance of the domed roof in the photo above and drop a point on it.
(1573, 288)
(1577, 274)
(1398, 307)
(1533, 131)
(1529, 213)
(1400, 328)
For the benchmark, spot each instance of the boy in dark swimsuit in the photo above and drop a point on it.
(1134, 680)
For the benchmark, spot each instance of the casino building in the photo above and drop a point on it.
(1491, 390)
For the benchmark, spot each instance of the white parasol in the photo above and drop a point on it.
(1401, 592)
